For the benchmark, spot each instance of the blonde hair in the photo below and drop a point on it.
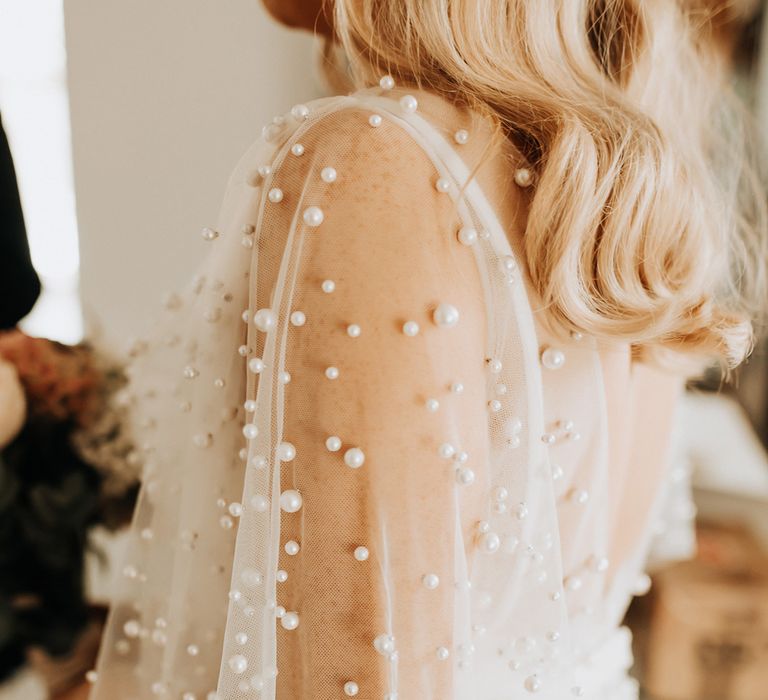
(634, 231)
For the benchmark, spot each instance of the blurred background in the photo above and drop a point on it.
(124, 121)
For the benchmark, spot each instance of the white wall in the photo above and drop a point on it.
(164, 97)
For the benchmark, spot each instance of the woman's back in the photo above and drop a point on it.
(375, 466)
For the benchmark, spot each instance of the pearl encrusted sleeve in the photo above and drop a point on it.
(382, 456)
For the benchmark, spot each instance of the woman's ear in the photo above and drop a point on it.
(312, 15)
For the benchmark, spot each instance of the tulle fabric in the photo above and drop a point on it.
(347, 489)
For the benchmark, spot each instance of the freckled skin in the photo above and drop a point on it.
(313, 15)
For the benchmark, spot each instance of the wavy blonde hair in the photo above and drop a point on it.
(634, 232)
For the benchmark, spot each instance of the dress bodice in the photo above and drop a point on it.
(373, 466)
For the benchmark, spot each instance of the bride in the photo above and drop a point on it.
(406, 435)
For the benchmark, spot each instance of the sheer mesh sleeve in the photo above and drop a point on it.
(378, 327)
(347, 489)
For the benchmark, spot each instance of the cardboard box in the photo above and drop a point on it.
(708, 636)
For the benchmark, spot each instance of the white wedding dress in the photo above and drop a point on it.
(373, 467)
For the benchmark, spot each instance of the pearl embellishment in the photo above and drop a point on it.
(286, 451)
(290, 620)
(410, 328)
(265, 319)
(552, 358)
(467, 235)
(328, 175)
(275, 195)
(250, 431)
(445, 315)
(361, 553)
(523, 177)
(351, 689)
(353, 330)
(354, 457)
(461, 137)
(297, 149)
(328, 286)
(442, 185)
(430, 581)
(384, 644)
(209, 234)
(332, 372)
(292, 547)
(333, 443)
(387, 82)
(298, 318)
(375, 120)
(238, 663)
(409, 104)
(290, 501)
(256, 365)
(313, 216)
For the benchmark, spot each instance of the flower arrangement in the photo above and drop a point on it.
(65, 465)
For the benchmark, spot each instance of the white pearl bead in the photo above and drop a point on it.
(298, 318)
(265, 319)
(351, 689)
(300, 112)
(284, 377)
(362, 553)
(375, 120)
(533, 684)
(286, 451)
(410, 328)
(445, 315)
(250, 431)
(467, 235)
(446, 450)
(333, 443)
(290, 621)
(256, 365)
(292, 547)
(241, 638)
(387, 82)
(251, 578)
(259, 503)
(384, 644)
(552, 358)
(235, 510)
(409, 103)
(328, 286)
(494, 366)
(328, 174)
(209, 234)
(490, 542)
(332, 372)
(599, 564)
(576, 335)
(523, 177)
(430, 581)
(494, 405)
(465, 476)
(290, 501)
(500, 493)
(461, 136)
(354, 457)
(275, 195)
(297, 149)
(457, 388)
(282, 577)
(313, 216)
(258, 462)
(443, 185)
(432, 405)
(238, 663)
(353, 330)
(442, 653)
